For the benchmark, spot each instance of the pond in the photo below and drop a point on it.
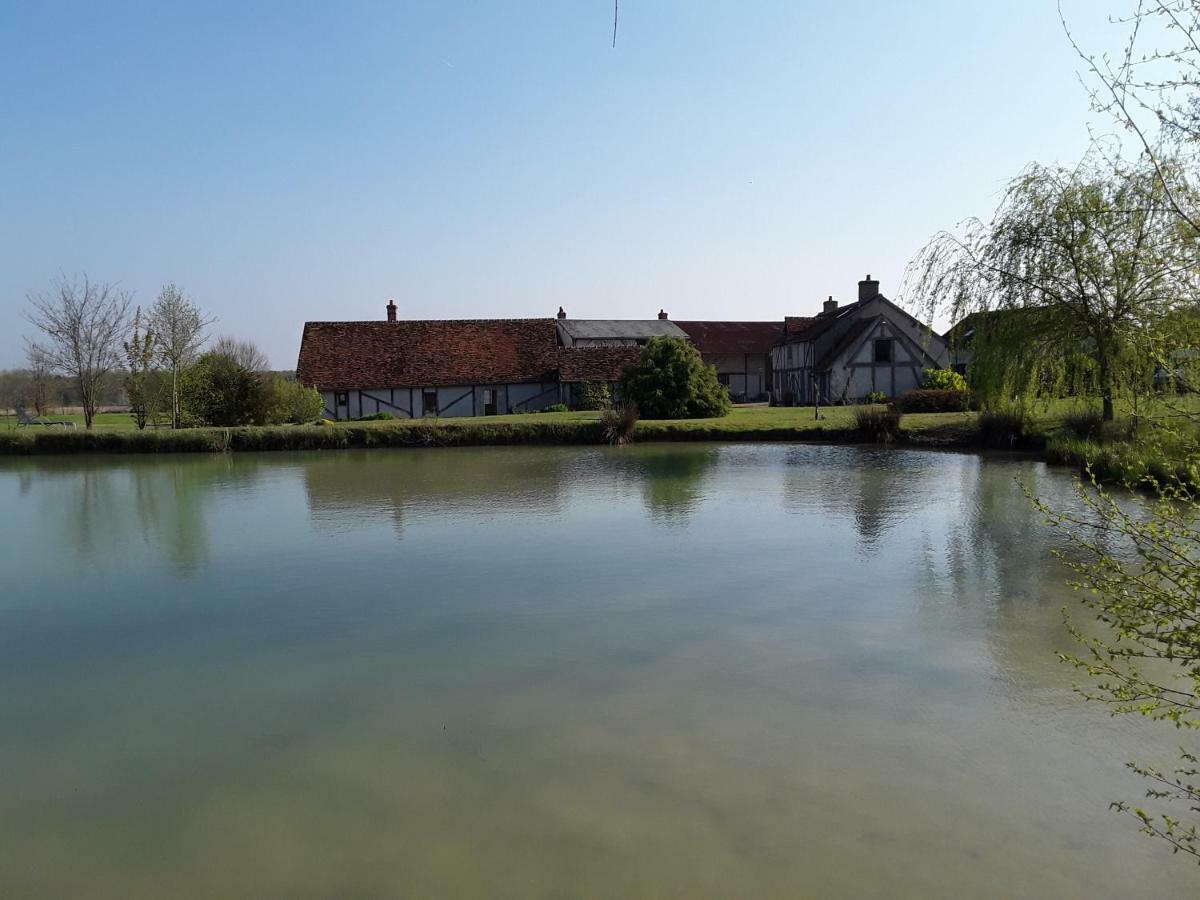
(661, 670)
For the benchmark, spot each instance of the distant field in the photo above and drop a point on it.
(106, 421)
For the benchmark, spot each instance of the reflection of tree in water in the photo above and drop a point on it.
(107, 505)
(351, 490)
(997, 572)
(670, 477)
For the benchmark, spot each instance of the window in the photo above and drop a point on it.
(489, 402)
(429, 402)
(342, 398)
(883, 350)
(723, 378)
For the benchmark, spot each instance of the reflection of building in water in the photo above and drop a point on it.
(875, 488)
(362, 489)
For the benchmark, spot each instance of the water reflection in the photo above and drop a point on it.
(353, 490)
(679, 670)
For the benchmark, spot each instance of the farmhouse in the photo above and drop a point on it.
(479, 367)
(846, 352)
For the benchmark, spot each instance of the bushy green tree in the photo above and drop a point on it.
(593, 395)
(218, 390)
(291, 402)
(1090, 260)
(671, 381)
(943, 380)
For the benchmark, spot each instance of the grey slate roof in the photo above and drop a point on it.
(625, 329)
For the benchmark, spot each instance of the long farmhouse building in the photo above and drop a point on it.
(479, 367)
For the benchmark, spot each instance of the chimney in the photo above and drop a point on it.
(391, 309)
(868, 289)
(831, 306)
(662, 315)
(562, 313)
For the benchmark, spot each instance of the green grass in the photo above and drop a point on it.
(106, 421)
(1164, 443)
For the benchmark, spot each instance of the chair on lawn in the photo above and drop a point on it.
(24, 420)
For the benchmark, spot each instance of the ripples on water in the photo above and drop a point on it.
(661, 670)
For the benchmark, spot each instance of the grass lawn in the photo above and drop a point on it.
(105, 421)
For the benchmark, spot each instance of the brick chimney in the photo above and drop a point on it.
(562, 313)
(830, 307)
(662, 315)
(868, 289)
(391, 310)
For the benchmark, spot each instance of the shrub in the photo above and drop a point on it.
(593, 395)
(376, 417)
(619, 423)
(933, 401)
(1084, 423)
(290, 401)
(218, 390)
(1004, 427)
(876, 397)
(876, 424)
(555, 407)
(943, 380)
(671, 381)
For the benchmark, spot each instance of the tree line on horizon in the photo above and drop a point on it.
(95, 348)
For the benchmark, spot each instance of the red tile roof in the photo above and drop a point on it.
(733, 338)
(595, 363)
(427, 353)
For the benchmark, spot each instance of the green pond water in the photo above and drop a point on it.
(662, 671)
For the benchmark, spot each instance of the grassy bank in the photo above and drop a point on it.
(1119, 453)
(748, 424)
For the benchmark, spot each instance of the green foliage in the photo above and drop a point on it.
(592, 395)
(671, 381)
(1136, 567)
(943, 380)
(374, 417)
(881, 425)
(218, 390)
(555, 407)
(1004, 427)
(143, 389)
(876, 397)
(1083, 422)
(290, 401)
(933, 401)
(1089, 262)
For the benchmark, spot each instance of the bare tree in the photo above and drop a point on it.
(179, 332)
(39, 377)
(244, 353)
(82, 323)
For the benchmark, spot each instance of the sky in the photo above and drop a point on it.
(291, 161)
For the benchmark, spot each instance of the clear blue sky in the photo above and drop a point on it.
(293, 161)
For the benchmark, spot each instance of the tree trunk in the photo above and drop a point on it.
(1106, 385)
(174, 396)
(89, 404)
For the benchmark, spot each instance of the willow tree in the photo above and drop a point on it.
(1075, 263)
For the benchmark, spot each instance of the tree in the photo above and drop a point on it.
(671, 381)
(179, 329)
(228, 385)
(593, 395)
(1138, 571)
(1088, 261)
(141, 388)
(38, 389)
(291, 402)
(1151, 89)
(82, 323)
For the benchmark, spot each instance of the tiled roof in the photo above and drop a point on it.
(426, 353)
(733, 337)
(595, 363)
